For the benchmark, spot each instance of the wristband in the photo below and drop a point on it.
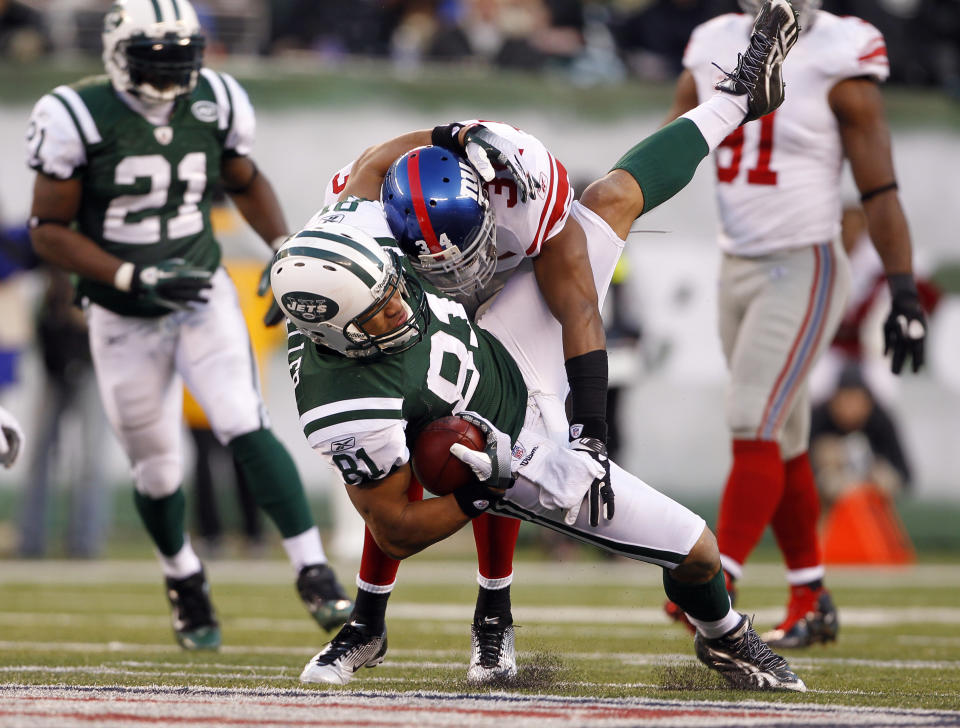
(447, 136)
(475, 498)
(123, 278)
(901, 283)
(870, 194)
(587, 375)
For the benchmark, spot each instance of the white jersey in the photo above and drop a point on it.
(778, 178)
(521, 228)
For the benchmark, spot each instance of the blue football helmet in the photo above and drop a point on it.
(440, 214)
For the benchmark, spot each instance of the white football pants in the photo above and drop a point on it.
(142, 363)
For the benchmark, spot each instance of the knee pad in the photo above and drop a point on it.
(158, 476)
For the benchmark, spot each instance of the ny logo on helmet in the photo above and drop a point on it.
(310, 307)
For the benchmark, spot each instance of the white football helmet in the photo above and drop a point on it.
(153, 48)
(806, 10)
(332, 279)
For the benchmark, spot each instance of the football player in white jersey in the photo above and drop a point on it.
(460, 231)
(126, 166)
(784, 278)
(530, 205)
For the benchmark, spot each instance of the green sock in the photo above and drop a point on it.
(273, 480)
(163, 518)
(707, 602)
(664, 162)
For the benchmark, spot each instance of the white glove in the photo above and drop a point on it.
(11, 438)
(492, 464)
(482, 147)
(563, 476)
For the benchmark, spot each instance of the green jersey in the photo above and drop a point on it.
(147, 187)
(362, 414)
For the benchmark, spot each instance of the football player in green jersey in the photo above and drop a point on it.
(126, 164)
(375, 354)
(454, 210)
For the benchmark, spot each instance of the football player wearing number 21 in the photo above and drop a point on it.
(784, 279)
(126, 164)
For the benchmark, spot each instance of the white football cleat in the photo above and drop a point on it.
(354, 646)
(493, 657)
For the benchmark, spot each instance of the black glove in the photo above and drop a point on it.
(601, 491)
(173, 283)
(484, 149)
(274, 314)
(905, 329)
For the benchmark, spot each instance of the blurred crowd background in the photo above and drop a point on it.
(591, 40)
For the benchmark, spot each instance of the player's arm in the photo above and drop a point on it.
(372, 165)
(55, 205)
(402, 527)
(566, 281)
(858, 107)
(254, 197)
(684, 96)
(474, 142)
(565, 278)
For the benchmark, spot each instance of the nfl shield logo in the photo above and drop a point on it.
(163, 134)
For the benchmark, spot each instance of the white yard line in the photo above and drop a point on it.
(407, 658)
(524, 615)
(426, 571)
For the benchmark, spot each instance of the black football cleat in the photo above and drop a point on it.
(759, 69)
(745, 661)
(191, 613)
(811, 619)
(323, 596)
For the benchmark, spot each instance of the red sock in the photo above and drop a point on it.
(496, 538)
(375, 566)
(795, 521)
(754, 488)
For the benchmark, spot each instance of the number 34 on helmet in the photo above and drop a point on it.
(347, 293)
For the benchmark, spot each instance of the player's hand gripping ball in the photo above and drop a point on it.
(433, 465)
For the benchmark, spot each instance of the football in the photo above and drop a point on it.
(433, 465)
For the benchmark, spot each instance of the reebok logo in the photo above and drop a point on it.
(341, 445)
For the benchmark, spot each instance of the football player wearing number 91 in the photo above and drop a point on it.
(376, 353)
(784, 279)
(126, 164)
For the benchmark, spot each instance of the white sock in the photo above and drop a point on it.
(375, 588)
(718, 116)
(501, 583)
(305, 549)
(712, 630)
(182, 564)
(805, 576)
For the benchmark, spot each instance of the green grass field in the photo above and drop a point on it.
(587, 628)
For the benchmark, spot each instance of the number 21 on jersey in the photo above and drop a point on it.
(760, 173)
(191, 170)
